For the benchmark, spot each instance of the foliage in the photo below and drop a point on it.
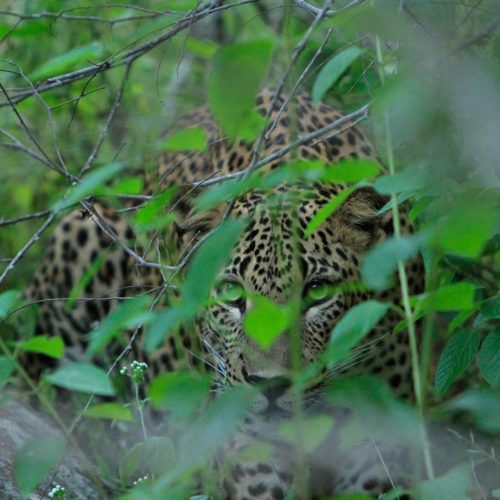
(430, 73)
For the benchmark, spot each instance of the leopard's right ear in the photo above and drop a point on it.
(193, 223)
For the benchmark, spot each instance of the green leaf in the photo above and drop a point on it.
(68, 61)
(7, 301)
(130, 185)
(179, 393)
(266, 321)
(489, 358)
(469, 225)
(451, 486)
(181, 5)
(156, 454)
(35, 460)
(50, 346)
(352, 328)
(201, 274)
(333, 70)
(381, 261)
(351, 171)
(87, 277)
(457, 355)
(379, 413)
(190, 139)
(89, 185)
(455, 297)
(326, 210)
(82, 377)
(153, 215)
(7, 366)
(232, 86)
(490, 309)
(483, 405)
(409, 180)
(314, 431)
(129, 314)
(114, 411)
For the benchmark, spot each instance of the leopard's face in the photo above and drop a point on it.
(308, 276)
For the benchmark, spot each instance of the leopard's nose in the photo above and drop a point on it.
(272, 388)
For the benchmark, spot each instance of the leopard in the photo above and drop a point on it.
(272, 258)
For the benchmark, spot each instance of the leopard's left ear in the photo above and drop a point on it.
(192, 223)
(360, 215)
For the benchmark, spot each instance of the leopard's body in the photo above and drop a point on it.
(272, 259)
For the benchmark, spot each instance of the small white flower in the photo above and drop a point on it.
(123, 370)
(141, 480)
(57, 492)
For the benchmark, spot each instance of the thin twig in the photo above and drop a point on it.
(478, 36)
(311, 8)
(36, 215)
(27, 246)
(360, 113)
(126, 57)
(299, 81)
(109, 119)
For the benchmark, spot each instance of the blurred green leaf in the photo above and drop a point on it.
(411, 179)
(83, 378)
(179, 393)
(484, 406)
(489, 358)
(129, 185)
(7, 301)
(352, 328)
(455, 297)
(89, 185)
(50, 346)
(155, 455)
(380, 262)
(129, 314)
(154, 215)
(451, 486)
(208, 433)
(181, 5)
(114, 411)
(201, 274)
(237, 72)
(490, 309)
(189, 139)
(7, 366)
(326, 210)
(310, 433)
(457, 355)
(380, 414)
(66, 62)
(265, 321)
(351, 171)
(469, 225)
(333, 70)
(35, 460)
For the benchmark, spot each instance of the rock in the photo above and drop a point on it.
(18, 424)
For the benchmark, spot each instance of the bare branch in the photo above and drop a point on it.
(36, 215)
(125, 58)
(478, 36)
(27, 246)
(311, 8)
(109, 119)
(355, 117)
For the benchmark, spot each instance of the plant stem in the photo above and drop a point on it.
(405, 295)
(140, 405)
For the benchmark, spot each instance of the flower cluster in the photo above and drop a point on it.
(57, 492)
(141, 480)
(136, 371)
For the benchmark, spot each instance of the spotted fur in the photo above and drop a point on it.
(273, 259)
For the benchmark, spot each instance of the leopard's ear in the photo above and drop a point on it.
(360, 219)
(193, 223)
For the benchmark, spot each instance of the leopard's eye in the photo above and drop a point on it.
(231, 293)
(316, 292)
